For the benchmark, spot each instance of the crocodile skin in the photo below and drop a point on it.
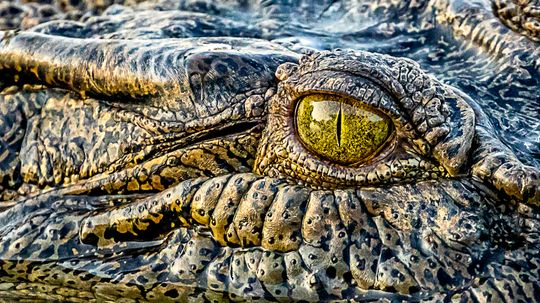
(149, 152)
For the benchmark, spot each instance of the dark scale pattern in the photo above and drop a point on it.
(149, 152)
(521, 16)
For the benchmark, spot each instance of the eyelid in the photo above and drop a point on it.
(379, 69)
(350, 86)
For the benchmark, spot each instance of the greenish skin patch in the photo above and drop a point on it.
(151, 152)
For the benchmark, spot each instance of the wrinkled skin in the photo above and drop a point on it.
(149, 152)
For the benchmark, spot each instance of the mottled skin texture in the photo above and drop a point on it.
(149, 152)
(522, 16)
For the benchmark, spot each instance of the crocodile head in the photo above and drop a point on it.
(222, 168)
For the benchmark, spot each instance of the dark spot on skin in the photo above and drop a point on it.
(66, 229)
(85, 277)
(427, 274)
(220, 68)
(374, 266)
(47, 252)
(13, 10)
(331, 272)
(289, 202)
(361, 264)
(47, 12)
(453, 151)
(443, 277)
(91, 239)
(386, 254)
(141, 279)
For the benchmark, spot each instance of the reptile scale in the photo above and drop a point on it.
(270, 151)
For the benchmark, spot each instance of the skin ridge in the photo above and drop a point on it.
(162, 163)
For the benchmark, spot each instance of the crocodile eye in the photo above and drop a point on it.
(341, 129)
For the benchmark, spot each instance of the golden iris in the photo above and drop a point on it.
(341, 129)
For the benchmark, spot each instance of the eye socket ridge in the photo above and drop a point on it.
(406, 156)
(350, 86)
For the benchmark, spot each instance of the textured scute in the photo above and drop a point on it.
(429, 237)
(16, 14)
(521, 16)
(142, 139)
(14, 112)
(149, 151)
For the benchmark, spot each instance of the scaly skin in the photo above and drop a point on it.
(151, 156)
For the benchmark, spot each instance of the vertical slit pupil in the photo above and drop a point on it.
(338, 126)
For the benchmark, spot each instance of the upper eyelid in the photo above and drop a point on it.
(379, 72)
(351, 86)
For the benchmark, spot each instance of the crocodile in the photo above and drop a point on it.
(226, 151)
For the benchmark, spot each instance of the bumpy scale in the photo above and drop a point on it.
(167, 152)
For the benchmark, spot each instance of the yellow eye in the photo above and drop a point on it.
(340, 129)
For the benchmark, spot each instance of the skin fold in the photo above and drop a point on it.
(151, 152)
